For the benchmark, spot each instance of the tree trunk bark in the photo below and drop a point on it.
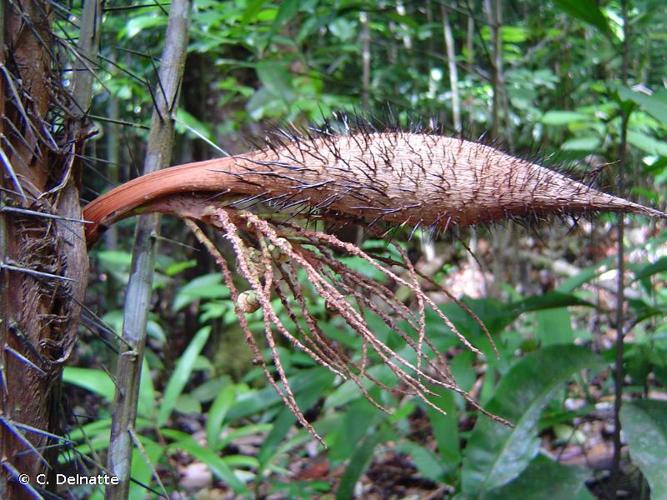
(43, 259)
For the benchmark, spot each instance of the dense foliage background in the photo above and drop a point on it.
(560, 80)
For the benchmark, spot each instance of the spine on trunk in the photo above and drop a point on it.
(394, 177)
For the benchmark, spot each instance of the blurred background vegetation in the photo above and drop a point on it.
(540, 79)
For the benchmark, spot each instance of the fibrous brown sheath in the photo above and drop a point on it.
(395, 177)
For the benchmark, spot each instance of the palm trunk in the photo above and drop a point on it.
(44, 266)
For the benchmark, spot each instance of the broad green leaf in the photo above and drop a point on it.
(137, 24)
(551, 300)
(94, 380)
(349, 391)
(585, 10)
(496, 454)
(277, 80)
(146, 403)
(587, 274)
(264, 103)
(564, 117)
(364, 267)
(208, 286)
(355, 423)
(217, 413)
(286, 11)
(218, 466)
(343, 28)
(445, 427)
(241, 432)
(187, 405)
(102, 426)
(211, 389)
(241, 461)
(115, 258)
(358, 463)
(464, 370)
(428, 463)
(255, 401)
(178, 267)
(654, 104)
(252, 9)
(282, 423)
(494, 314)
(646, 143)
(590, 143)
(554, 326)
(545, 479)
(650, 269)
(181, 375)
(305, 398)
(645, 428)
(143, 466)
(514, 34)
(186, 123)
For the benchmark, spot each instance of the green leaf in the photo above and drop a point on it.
(252, 9)
(584, 276)
(564, 117)
(210, 389)
(217, 413)
(143, 466)
(427, 463)
(581, 144)
(554, 326)
(94, 380)
(358, 463)
(550, 300)
(343, 28)
(241, 432)
(146, 403)
(115, 258)
(178, 267)
(514, 34)
(646, 143)
(544, 479)
(587, 11)
(187, 405)
(217, 465)
(645, 428)
(654, 104)
(185, 123)
(256, 401)
(101, 426)
(496, 454)
(181, 375)
(208, 286)
(286, 11)
(445, 427)
(650, 269)
(356, 423)
(137, 24)
(349, 391)
(277, 80)
(305, 398)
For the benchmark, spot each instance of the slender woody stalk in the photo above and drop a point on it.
(620, 260)
(453, 72)
(137, 298)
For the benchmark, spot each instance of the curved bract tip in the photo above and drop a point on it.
(395, 178)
